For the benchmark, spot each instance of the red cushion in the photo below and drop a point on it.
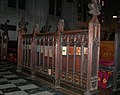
(106, 62)
(105, 79)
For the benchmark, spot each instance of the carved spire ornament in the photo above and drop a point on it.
(36, 28)
(22, 23)
(61, 25)
(94, 8)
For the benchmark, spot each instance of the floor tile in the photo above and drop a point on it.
(1, 92)
(34, 90)
(52, 90)
(18, 81)
(46, 87)
(21, 83)
(2, 70)
(30, 86)
(7, 67)
(10, 76)
(10, 89)
(16, 93)
(43, 93)
(3, 79)
(7, 86)
(4, 82)
(6, 73)
(13, 78)
(59, 94)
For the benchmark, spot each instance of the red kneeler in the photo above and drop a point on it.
(103, 79)
(100, 76)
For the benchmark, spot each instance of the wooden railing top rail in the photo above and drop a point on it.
(47, 34)
(74, 31)
(27, 35)
(56, 33)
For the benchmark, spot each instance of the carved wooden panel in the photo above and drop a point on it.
(107, 50)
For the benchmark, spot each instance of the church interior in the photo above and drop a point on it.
(59, 47)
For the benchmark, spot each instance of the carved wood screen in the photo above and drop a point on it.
(69, 58)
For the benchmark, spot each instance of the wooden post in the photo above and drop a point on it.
(20, 49)
(94, 47)
(57, 53)
(33, 49)
(93, 57)
(21, 32)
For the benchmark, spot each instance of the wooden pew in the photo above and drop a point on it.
(109, 66)
(4, 45)
(12, 51)
(69, 58)
(106, 62)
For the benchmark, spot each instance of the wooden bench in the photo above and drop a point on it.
(106, 64)
(4, 45)
(12, 51)
(67, 58)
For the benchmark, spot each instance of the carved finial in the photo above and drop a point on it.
(46, 27)
(61, 25)
(22, 23)
(94, 8)
(6, 26)
(36, 28)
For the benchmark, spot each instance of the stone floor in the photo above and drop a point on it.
(13, 84)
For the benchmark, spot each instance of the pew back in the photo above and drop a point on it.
(4, 45)
(107, 53)
(74, 57)
(27, 40)
(45, 53)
